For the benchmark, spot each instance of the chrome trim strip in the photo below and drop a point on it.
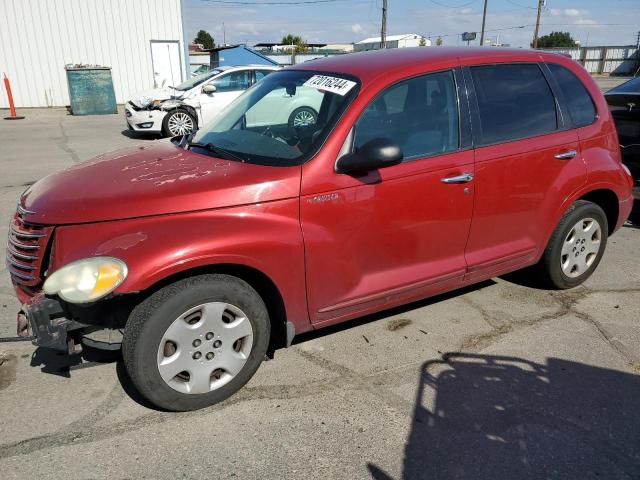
(21, 275)
(19, 255)
(22, 245)
(22, 210)
(18, 233)
(19, 265)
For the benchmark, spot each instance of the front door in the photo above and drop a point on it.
(398, 233)
(229, 86)
(165, 58)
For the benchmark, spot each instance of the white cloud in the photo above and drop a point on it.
(572, 12)
(357, 28)
(466, 11)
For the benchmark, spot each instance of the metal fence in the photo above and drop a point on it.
(620, 60)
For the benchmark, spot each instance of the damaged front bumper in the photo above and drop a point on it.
(44, 319)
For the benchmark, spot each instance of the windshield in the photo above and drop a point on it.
(197, 80)
(280, 121)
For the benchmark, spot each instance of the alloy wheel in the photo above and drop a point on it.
(180, 123)
(303, 118)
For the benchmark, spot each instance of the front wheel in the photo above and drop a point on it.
(178, 122)
(303, 117)
(196, 342)
(576, 246)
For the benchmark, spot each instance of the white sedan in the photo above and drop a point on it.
(181, 109)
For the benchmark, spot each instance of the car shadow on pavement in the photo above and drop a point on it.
(60, 364)
(487, 417)
(140, 135)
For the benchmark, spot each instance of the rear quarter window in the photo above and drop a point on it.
(582, 110)
(514, 101)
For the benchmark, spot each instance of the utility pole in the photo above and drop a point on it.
(484, 18)
(383, 30)
(535, 33)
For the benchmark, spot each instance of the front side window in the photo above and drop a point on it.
(260, 74)
(514, 101)
(232, 82)
(579, 102)
(281, 121)
(420, 115)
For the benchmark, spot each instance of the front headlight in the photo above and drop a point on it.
(144, 101)
(86, 280)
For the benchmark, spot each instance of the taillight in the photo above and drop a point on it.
(629, 177)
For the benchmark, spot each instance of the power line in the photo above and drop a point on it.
(271, 3)
(521, 6)
(453, 6)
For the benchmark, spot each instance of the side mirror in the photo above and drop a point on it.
(375, 154)
(209, 89)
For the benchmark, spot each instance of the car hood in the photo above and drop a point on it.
(141, 99)
(153, 179)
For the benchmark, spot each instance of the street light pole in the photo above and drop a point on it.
(535, 33)
(383, 30)
(484, 18)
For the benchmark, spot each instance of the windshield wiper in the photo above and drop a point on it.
(217, 150)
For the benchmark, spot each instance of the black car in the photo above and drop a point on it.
(624, 103)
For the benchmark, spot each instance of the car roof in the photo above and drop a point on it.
(370, 64)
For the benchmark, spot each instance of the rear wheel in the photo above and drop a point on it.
(196, 342)
(576, 246)
(178, 122)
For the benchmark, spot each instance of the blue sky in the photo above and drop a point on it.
(593, 22)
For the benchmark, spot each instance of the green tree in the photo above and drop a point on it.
(423, 42)
(556, 39)
(205, 39)
(439, 41)
(300, 44)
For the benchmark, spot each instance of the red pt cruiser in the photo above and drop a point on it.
(422, 170)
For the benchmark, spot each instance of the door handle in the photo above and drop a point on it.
(566, 155)
(464, 178)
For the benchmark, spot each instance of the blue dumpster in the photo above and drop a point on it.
(91, 90)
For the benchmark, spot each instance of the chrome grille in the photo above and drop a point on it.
(27, 249)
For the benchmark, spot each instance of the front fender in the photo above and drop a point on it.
(266, 237)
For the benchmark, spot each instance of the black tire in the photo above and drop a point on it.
(166, 129)
(150, 319)
(301, 110)
(549, 268)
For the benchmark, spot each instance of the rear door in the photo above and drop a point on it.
(397, 233)
(527, 160)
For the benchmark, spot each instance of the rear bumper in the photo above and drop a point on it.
(625, 207)
(44, 318)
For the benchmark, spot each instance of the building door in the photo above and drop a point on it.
(165, 60)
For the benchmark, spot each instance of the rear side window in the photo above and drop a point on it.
(515, 101)
(420, 115)
(581, 107)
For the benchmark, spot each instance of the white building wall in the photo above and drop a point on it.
(39, 37)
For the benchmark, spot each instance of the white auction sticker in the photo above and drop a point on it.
(330, 84)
